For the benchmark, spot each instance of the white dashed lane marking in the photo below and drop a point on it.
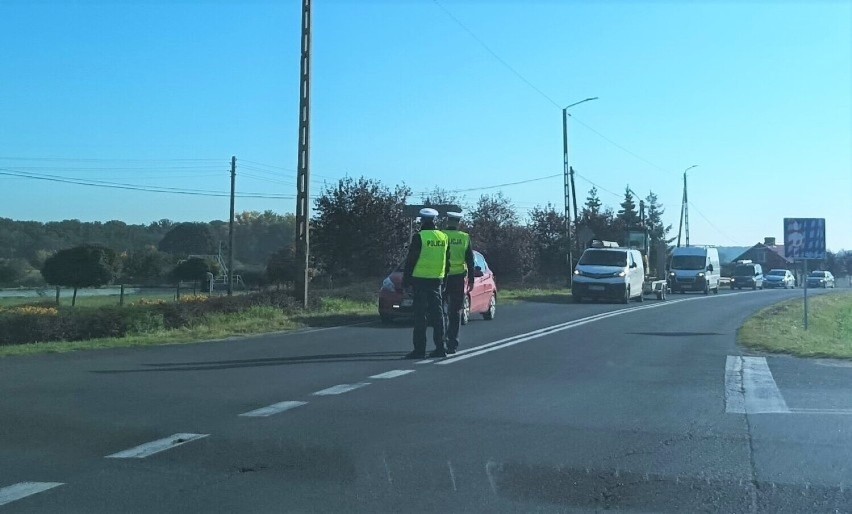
(340, 389)
(275, 408)
(160, 445)
(24, 489)
(393, 373)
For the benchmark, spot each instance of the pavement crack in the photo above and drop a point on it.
(754, 485)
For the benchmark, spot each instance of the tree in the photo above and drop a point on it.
(188, 238)
(597, 219)
(281, 267)
(657, 230)
(81, 266)
(147, 266)
(496, 232)
(194, 270)
(12, 271)
(440, 196)
(627, 217)
(360, 227)
(547, 228)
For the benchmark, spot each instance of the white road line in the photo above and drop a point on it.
(340, 389)
(160, 445)
(535, 334)
(427, 361)
(393, 374)
(762, 395)
(840, 412)
(734, 396)
(750, 387)
(275, 408)
(24, 489)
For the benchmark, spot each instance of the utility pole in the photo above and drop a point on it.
(303, 176)
(684, 210)
(568, 179)
(231, 228)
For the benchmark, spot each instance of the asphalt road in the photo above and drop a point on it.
(552, 407)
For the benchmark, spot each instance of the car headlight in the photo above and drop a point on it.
(672, 274)
(733, 280)
(388, 285)
(577, 272)
(619, 274)
(700, 275)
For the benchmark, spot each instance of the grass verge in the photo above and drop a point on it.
(780, 328)
(351, 304)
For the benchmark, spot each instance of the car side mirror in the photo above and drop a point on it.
(710, 268)
(632, 264)
(477, 272)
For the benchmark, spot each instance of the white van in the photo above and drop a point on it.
(616, 273)
(695, 268)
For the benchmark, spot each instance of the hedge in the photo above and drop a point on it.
(44, 323)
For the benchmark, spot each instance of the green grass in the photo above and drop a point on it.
(780, 328)
(337, 306)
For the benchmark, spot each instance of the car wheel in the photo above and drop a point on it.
(641, 298)
(626, 298)
(492, 308)
(465, 315)
(706, 289)
(716, 290)
(754, 287)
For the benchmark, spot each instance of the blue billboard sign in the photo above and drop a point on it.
(804, 238)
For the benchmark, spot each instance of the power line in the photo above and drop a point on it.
(610, 141)
(135, 187)
(91, 159)
(494, 54)
(600, 188)
(495, 186)
(717, 229)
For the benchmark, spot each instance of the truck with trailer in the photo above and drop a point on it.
(608, 271)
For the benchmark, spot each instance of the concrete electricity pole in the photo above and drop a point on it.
(303, 176)
(231, 228)
(684, 210)
(568, 175)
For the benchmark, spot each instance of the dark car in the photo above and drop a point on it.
(747, 274)
(822, 279)
(395, 301)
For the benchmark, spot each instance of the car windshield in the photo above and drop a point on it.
(818, 274)
(604, 258)
(744, 271)
(778, 273)
(688, 262)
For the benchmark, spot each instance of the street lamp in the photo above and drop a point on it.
(566, 172)
(684, 210)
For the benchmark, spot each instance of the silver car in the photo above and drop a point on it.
(779, 278)
(822, 279)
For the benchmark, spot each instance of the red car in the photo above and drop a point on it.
(396, 302)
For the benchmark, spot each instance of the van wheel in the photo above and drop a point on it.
(706, 289)
(626, 298)
(641, 298)
(492, 308)
(716, 290)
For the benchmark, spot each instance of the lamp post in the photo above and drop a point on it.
(684, 210)
(567, 190)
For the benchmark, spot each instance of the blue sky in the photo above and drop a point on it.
(161, 94)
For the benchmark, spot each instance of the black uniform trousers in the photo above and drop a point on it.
(428, 306)
(455, 304)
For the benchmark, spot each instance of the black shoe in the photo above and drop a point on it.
(437, 354)
(451, 350)
(415, 355)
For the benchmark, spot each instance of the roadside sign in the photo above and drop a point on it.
(804, 238)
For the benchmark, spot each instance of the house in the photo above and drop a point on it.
(770, 256)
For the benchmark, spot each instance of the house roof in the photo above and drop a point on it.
(776, 249)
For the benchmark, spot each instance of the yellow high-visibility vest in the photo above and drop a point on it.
(433, 255)
(459, 244)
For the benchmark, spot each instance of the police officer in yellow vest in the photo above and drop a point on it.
(425, 268)
(461, 273)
